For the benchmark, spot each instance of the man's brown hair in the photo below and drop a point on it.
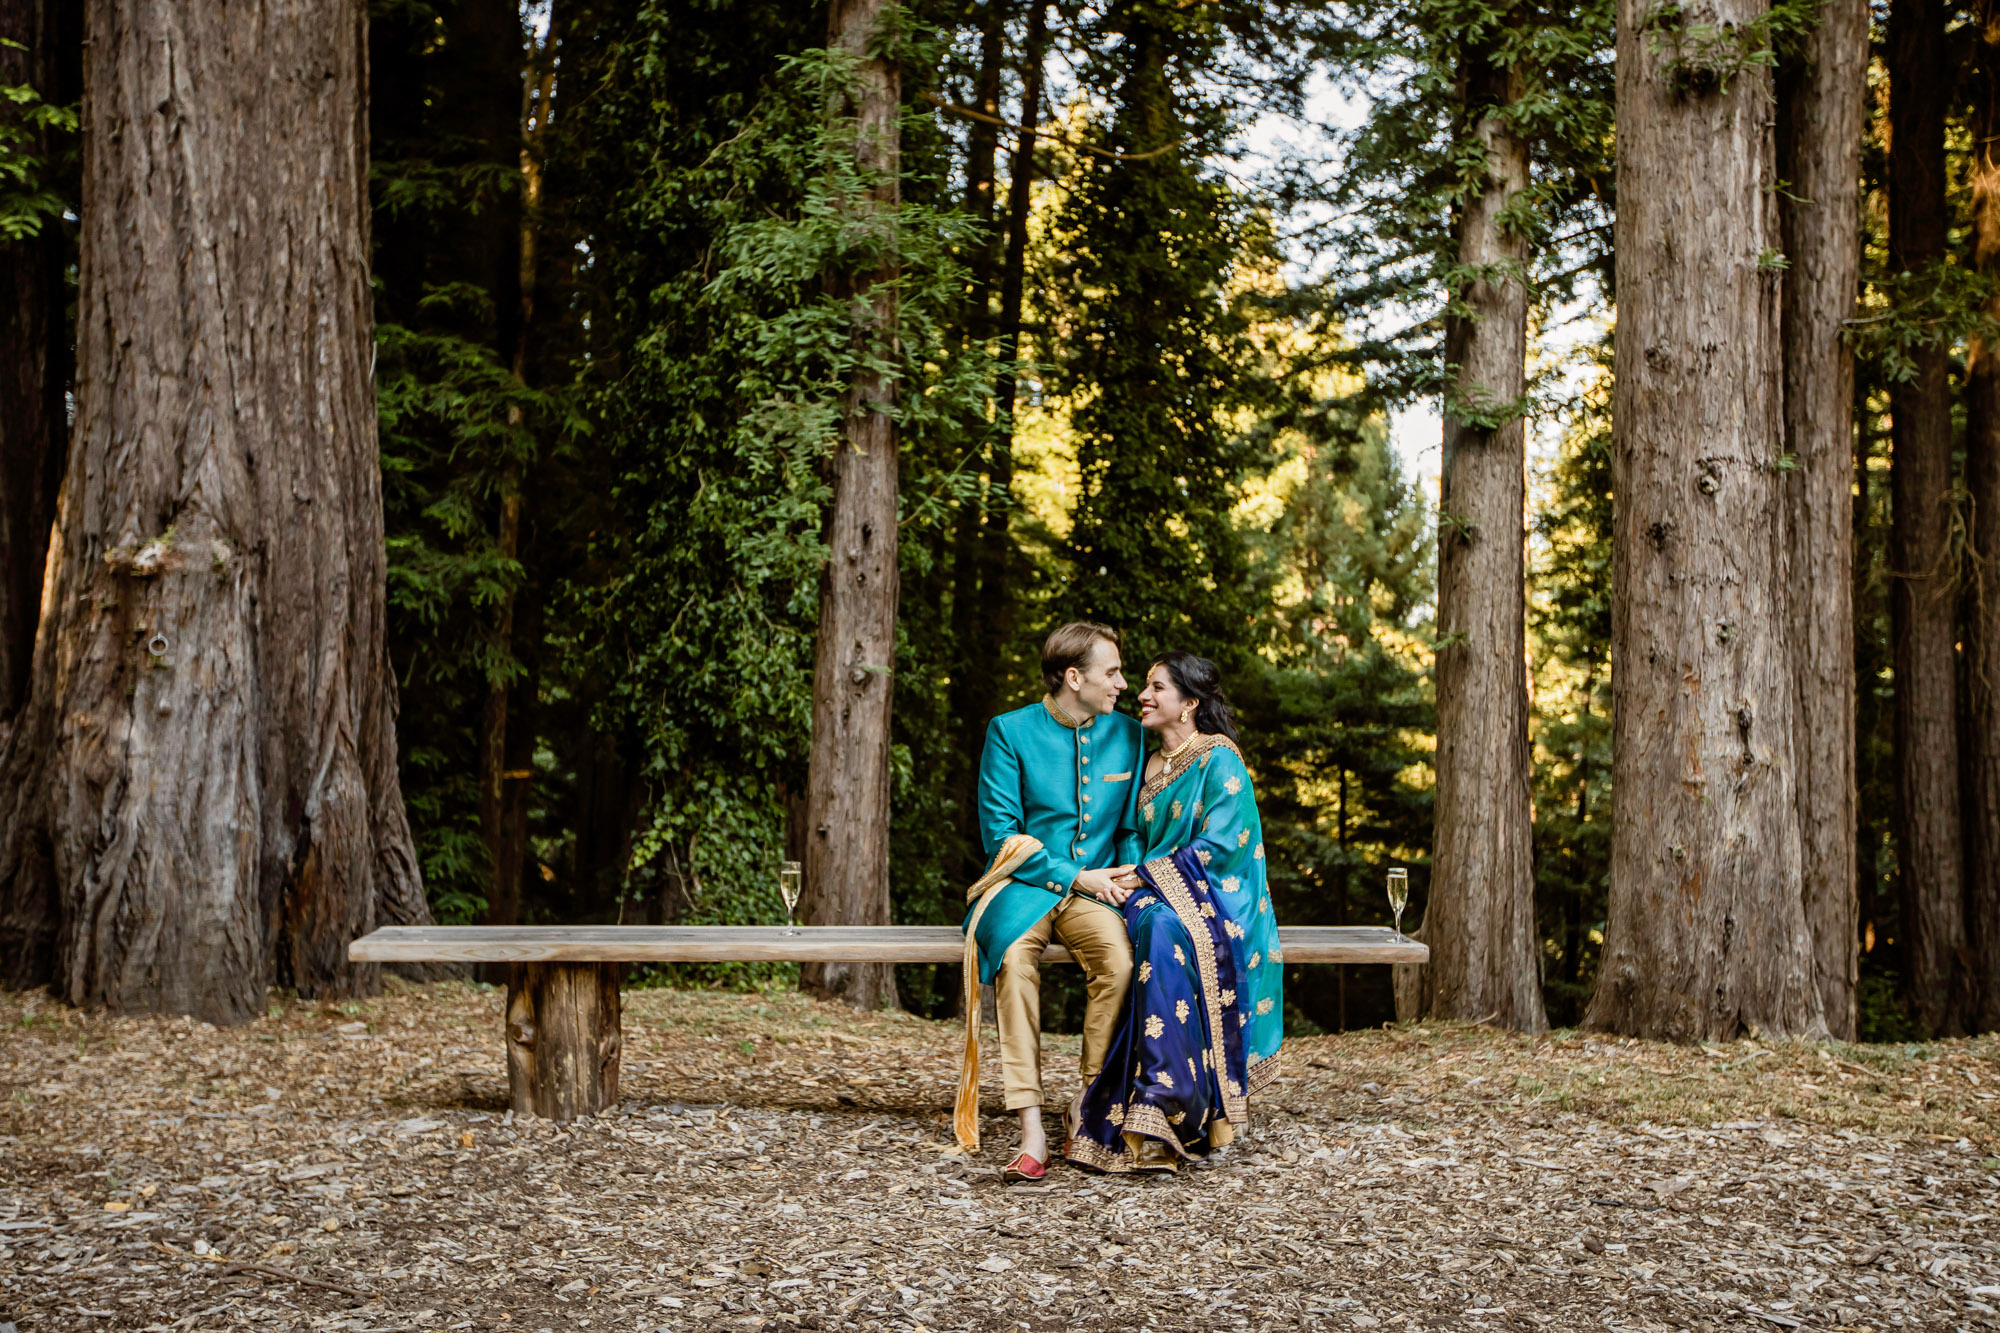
(1069, 646)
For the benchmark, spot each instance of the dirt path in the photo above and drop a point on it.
(777, 1163)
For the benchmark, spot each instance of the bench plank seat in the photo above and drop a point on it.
(769, 944)
(564, 1041)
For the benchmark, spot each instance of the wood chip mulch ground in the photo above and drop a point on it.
(778, 1162)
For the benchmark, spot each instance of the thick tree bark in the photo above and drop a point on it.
(1921, 605)
(1480, 923)
(1819, 152)
(1980, 754)
(847, 784)
(34, 354)
(205, 791)
(1707, 935)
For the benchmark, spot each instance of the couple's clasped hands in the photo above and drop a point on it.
(1112, 885)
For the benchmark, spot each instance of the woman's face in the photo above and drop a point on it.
(1161, 701)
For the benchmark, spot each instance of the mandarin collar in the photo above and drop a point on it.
(1054, 710)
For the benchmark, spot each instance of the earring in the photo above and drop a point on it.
(1187, 712)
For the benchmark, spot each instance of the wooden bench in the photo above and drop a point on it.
(563, 1032)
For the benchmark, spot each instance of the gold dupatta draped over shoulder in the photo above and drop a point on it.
(965, 1111)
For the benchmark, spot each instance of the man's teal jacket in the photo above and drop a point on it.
(1072, 786)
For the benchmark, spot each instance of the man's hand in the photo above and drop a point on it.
(1112, 886)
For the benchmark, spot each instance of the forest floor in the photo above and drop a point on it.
(780, 1163)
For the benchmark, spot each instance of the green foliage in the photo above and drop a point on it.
(717, 414)
(451, 421)
(1155, 355)
(1392, 193)
(1569, 622)
(28, 124)
(1705, 58)
(1336, 705)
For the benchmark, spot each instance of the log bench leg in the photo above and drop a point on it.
(563, 1038)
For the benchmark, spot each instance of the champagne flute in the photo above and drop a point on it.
(1399, 893)
(788, 888)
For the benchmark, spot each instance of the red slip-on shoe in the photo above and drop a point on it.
(1024, 1170)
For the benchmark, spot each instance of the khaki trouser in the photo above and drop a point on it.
(1094, 933)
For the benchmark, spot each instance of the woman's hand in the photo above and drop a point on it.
(1113, 885)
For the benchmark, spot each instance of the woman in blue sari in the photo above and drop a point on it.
(1205, 1015)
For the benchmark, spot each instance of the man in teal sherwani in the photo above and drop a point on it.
(1056, 796)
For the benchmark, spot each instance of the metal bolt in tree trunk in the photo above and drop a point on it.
(847, 784)
(1820, 93)
(205, 787)
(1480, 922)
(1707, 935)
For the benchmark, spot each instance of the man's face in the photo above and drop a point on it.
(1101, 678)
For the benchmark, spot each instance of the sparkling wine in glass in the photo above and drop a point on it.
(1399, 893)
(788, 887)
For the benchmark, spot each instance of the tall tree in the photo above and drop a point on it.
(40, 50)
(204, 799)
(977, 588)
(847, 783)
(1480, 921)
(1153, 347)
(1922, 606)
(1821, 86)
(1707, 935)
(985, 595)
(1981, 747)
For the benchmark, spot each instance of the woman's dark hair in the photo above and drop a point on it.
(1197, 679)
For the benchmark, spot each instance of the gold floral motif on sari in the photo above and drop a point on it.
(1173, 887)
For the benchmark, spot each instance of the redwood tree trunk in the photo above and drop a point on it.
(1921, 604)
(1981, 753)
(1819, 151)
(34, 356)
(1707, 935)
(1480, 923)
(847, 785)
(205, 790)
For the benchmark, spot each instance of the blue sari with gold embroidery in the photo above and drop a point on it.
(1204, 1019)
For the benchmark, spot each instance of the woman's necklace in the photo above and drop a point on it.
(1167, 757)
